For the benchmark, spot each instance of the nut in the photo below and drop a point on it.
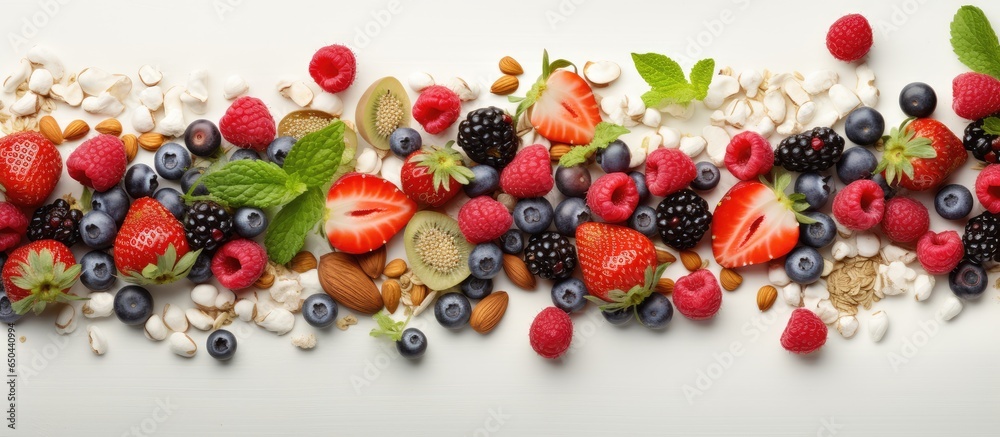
(234, 86)
(266, 279)
(20, 74)
(298, 92)
(730, 279)
(487, 314)
(151, 98)
(198, 319)
(149, 76)
(49, 128)
(100, 304)
(952, 306)
(466, 91)
(98, 342)
(66, 320)
(110, 126)
(75, 130)
(395, 268)
(245, 309)
(717, 141)
(151, 141)
(691, 260)
(279, 321)
(181, 344)
(344, 280)
(103, 104)
(719, 90)
(172, 124)
(665, 286)
(71, 93)
(303, 261)
(142, 119)
(26, 105)
(40, 82)
(155, 329)
(419, 80)
(847, 326)
(601, 73)
(131, 143)
(344, 322)
(417, 294)
(557, 151)
(664, 257)
(174, 318)
(391, 293)
(43, 56)
(878, 324)
(509, 65)
(372, 262)
(505, 85)
(304, 341)
(517, 272)
(368, 162)
(766, 297)
(204, 295)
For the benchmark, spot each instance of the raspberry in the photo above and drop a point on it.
(860, 205)
(551, 332)
(239, 263)
(98, 163)
(697, 296)
(436, 109)
(13, 225)
(975, 95)
(988, 188)
(905, 220)
(805, 332)
(333, 68)
(529, 174)
(940, 253)
(613, 197)
(483, 219)
(749, 155)
(849, 38)
(668, 171)
(248, 124)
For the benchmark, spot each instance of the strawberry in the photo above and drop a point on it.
(30, 167)
(561, 106)
(434, 175)
(364, 212)
(613, 258)
(150, 247)
(920, 154)
(755, 222)
(39, 273)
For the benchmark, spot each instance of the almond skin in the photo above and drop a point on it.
(505, 85)
(131, 143)
(49, 128)
(372, 262)
(691, 260)
(391, 293)
(509, 65)
(302, 262)
(517, 272)
(488, 312)
(664, 257)
(557, 151)
(665, 286)
(395, 268)
(75, 130)
(766, 297)
(110, 126)
(342, 278)
(730, 279)
(417, 294)
(151, 141)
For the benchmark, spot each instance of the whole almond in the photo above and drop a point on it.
(372, 262)
(150, 141)
(558, 150)
(691, 260)
(517, 272)
(395, 268)
(75, 130)
(488, 312)
(766, 297)
(110, 126)
(665, 286)
(265, 281)
(730, 279)
(664, 257)
(342, 278)
(302, 262)
(391, 292)
(417, 294)
(131, 146)
(505, 85)
(49, 128)
(509, 65)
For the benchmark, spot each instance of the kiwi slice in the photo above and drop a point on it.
(383, 107)
(437, 250)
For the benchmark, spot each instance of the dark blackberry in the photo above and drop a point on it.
(682, 219)
(984, 146)
(207, 225)
(550, 255)
(56, 221)
(816, 150)
(487, 135)
(981, 238)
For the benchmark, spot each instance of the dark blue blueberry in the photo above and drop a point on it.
(706, 177)
(190, 178)
(918, 100)
(856, 163)
(7, 314)
(97, 270)
(570, 214)
(887, 190)
(533, 215)
(864, 126)
(171, 161)
(404, 140)
(485, 260)
(98, 229)
(640, 184)
(140, 181)
(953, 202)
(113, 202)
(655, 312)
(569, 295)
(453, 310)
(240, 154)
(172, 200)
(221, 344)
(133, 305)
(643, 219)
(617, 317)
(201, 271)
(278, 150)
(614, 158)
(486, 181)
(816, 187)
(968, 280)
(320, 310)
(804, 265)
(573, 181)
(475, 288)
(412, 344)
(819, 234)
(249, 222)
(202, 138)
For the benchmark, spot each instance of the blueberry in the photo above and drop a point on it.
(97, 270)
(486, 181)
(968, 280)
(221, 344)
(202, 138)
(249, 222)
(7, 314)
(640, 184)
(571, 213)
(475, 288)
(241, 154)
(320, 310)
(511, 242)
(133, 305)
(573, 181)
(819, 234)
(201, 271)
(864, 126)
(412, 344)
(655, 312)
(404, 140)
(804, 264)
(856, 163)
(887, 190)
(485, 260)
(953, 202)
(533, 215)
(113, 202)
(452, 310)
(643, 219)
(98, 229)
(172, 200)
(706, 177)
(816, 187)
(617, 317)
(569, 295)
(614, 158)
(140, 181)
(189, 180)
(918, 100)
(278, 150)
(171, 161)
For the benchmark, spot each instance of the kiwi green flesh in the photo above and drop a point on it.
(366, 114)
(436, 249)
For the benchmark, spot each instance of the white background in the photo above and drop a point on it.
(933, 378)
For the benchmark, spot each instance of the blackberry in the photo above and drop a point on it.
(56, 221)
(207, 225)
(981, 238)
(487, 135)
(984, 146)
(682, 219)
(816, 150)
(550, 255)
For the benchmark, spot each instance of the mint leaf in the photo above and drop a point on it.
(604, 134)
(660, 97)
(317, 156)
(666, 78)
(290, 227)
(991, 125)
(659, 71)
(975, 42)
(701, 77)
(255, 183)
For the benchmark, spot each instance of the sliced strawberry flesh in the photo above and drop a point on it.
(364, 212)
(566, 110)
(752, 226)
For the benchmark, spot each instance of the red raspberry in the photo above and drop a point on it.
(975, 95)
(860, 205)
(940, 253)
(697, 296)
(551, 332)
(239, 263)
(13, 225)
(613, 197)
(99, 162)
(988, 188)
(668, 171)
(248, 124)
(529, 174)
(437, 108)
(805, 332)
(849, 38)
(905, 220)
(333, 68)
(749, 155)
(483, 219)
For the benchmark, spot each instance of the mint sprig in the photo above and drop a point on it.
(604, 134)
(292, 224)
(666, 79)
(254, 183)
(991, 125)
(975, 42)
(312, 156)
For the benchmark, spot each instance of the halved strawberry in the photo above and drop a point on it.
(364, 212)
(561, 106)
(755, 223)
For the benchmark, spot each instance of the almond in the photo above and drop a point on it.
(730, 279)
(691, 260)
(49, 128)
(395, 268)
(766, 297)
(488, 312)
(509, 65)
(372, 262)
(75, 130)
(664, 257)
(265, 281)
(110, 126)
(518, 272)
(665, 286)
(342, 278)
(391, 292)
(302, 262)
(131, 146)
(417, 294)
(506, 84)
(151, 141)
(558, 150)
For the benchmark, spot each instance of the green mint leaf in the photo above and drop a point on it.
(991, 125)
(666, 79)
(975, 42)
(659, 71)
(287, 232)
(604, 134)
(255, 183)
(681, 93)
(318, 156)
(701, 77)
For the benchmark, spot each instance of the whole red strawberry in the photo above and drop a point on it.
(551, 333)
(975, 95)
(483, 219)
(529, 174)
(612, 258)
(697, 296)
(150, 247)
(921, 154)
(248, 124)
(30, 167)
(805, 332)
(38, 274)
(99, 162)
(849, 38)
(433, 176)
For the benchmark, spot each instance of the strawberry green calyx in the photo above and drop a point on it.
(899, 148)
(445, 164)
(388, 327)
(166, 270)
(630, 300)
(795, 202)
(539, 86)
(46, 280)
